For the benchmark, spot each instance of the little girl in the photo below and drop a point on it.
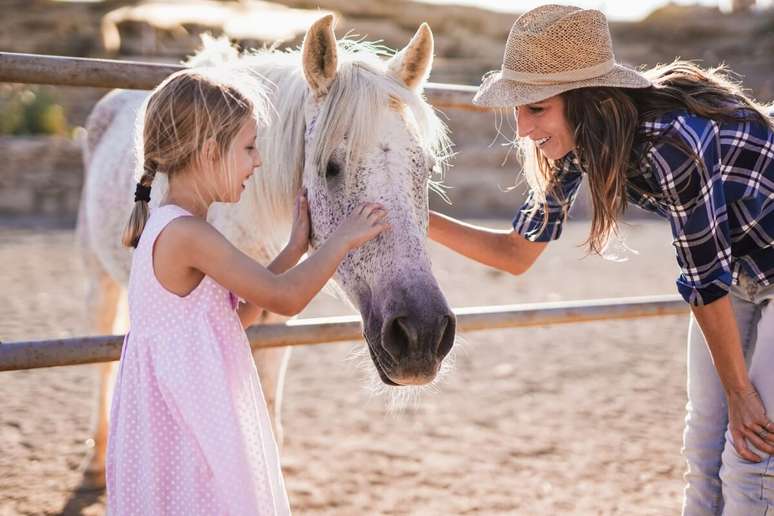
(190, 433)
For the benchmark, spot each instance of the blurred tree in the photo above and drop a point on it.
(30, 110)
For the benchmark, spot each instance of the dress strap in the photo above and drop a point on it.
(158, 220)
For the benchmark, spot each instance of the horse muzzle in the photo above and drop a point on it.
(409, 332)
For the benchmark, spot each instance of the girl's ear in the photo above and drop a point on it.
(210, 151)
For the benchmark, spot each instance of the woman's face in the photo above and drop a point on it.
(545, 124)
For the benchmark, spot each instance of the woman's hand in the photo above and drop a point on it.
(362, 225)
(300, 231)
(748, 423)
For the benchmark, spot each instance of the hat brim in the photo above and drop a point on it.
(498, 92)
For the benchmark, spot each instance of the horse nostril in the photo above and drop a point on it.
(403, 335)
(399, 336)
(446, 334)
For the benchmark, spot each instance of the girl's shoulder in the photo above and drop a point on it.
(181, 229)
(191, 240)
(173, 223)
(161, 216)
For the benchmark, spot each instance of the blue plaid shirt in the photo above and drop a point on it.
(721, 213)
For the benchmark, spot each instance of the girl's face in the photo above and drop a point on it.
(244, 158)
(546, 125)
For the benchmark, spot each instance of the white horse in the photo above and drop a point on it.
(350, 127)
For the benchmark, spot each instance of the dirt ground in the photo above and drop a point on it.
(571, 419)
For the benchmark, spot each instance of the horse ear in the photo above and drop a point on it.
(319, 55)
(412, 65)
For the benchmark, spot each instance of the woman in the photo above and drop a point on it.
(689, 145)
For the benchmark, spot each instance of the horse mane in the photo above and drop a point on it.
(357, 99)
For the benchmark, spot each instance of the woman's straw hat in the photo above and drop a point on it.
(552, 49)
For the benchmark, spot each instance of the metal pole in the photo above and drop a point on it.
(76, 71)
(87, 350)
(133, 75)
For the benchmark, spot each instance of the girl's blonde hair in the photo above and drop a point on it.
(185, 111)
(606, 125)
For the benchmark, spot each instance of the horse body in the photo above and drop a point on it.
(338, 109)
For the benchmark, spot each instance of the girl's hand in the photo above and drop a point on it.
(748, 423)
(362, 225)
(299, 233)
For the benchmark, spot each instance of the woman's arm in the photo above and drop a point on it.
(747, 416)
(501, 249)
(689, 164)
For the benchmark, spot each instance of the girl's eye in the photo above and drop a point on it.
(535, 109)
(251, 147)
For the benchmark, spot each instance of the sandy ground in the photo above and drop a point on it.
(571, 419)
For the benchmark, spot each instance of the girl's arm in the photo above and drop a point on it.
(287, 258)
(501, 249)
(747, 416)
(297, 245)
(199, 246)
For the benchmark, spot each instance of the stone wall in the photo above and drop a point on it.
(40, 175)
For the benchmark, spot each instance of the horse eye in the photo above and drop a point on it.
(332, 170)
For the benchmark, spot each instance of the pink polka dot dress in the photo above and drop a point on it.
(189, 431)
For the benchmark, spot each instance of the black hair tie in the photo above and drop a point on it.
(142, 193)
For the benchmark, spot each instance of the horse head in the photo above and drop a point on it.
(369, 136)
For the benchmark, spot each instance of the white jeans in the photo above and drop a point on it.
(718, 481)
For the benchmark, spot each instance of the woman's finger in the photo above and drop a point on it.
(756, 440)
(763, 433)
(740, 445)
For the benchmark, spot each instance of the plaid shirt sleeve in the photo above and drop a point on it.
(697, 208)
(529, 220)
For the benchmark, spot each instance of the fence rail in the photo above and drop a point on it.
(86, 350)
(133, 75)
